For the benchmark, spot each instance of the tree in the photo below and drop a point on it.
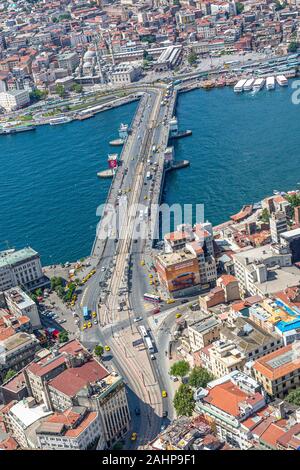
(239, 8)
(37, 95)
(63, 337)
(99, 350)
(199, 377)
(60, 291)
(60, 91)
(184, 402)
(9, 375)
(56, 281)
(293, 199)
(39, 293)
(192, 57)
(265, 216)
(279, 5)
(180, 369)
(77, 88)
(294, 397)
(293, 46)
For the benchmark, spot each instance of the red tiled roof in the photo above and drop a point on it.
(70, 381)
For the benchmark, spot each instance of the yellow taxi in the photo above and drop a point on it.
(89, 324)
(94, 314)
(170, 301)
(145, 198)
(151, 276)
(164, 394)
(84, 326)
(133, 436)
(142, 263)
(107, 348)
(151, 282)
(178, 315)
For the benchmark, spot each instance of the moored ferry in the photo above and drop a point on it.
(282, 80)
(270, 83)
(248, 85)
(59, 120)
(258, 84)
(238, 88)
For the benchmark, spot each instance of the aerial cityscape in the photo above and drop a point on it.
(150, 226)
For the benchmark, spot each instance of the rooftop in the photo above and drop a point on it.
(27, 415)
(14, 257)
(279, 363)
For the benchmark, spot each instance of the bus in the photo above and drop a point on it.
(143, 331)
(152, 298)
(85, 312)
(149, 344)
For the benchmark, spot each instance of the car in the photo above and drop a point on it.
(163, 427)
(151, 276)
(94, 314)
(152, 357)
(164, 394)
(136, 319)
(95, 321)
(137, 411)
(150, 282)
(173, 378)
(165, 414)
(89, 324)
(103, 269)
(184, 301)
(142, 263)
(170, 301)
(107, 348)
(133, 436)
(62, 321)
(178, 315)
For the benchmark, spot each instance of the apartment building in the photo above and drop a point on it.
(69, 61)
(70, 376)
(225, 357)
(249, 338)
(77, 428)
(20, 304)
(178, 270)
(265, 270)
(278, 225)
(203, 332)
(14, 99)
(232, 403)
(16, 352)
(279, 371)
(21, 268)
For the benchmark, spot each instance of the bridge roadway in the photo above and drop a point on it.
(110, 255)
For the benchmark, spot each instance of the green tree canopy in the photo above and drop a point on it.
(293, 46)
(63, 337)
(60, 91)
(265, 216)
(293, 199)
(180, 369)
(239, 8)
(77, 87)
(9, 374)
(192, 57)
(199, 377)
(99, 350)
(56, 281)
(37, 95)
(294, 397)
(184, 402)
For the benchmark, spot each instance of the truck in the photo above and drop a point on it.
(86, 314)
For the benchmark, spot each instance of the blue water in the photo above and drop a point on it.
(242, 148)
(49, 190)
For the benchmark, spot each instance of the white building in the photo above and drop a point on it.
(22, 267)
(75, 429)
(14, 99)
(124, 73)
(265, 270)
(20, 304)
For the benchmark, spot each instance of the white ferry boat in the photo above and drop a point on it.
(282, 80)
(238, 88)
(249, 84)
(270, 83)
(59, 120)
(258, 84)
